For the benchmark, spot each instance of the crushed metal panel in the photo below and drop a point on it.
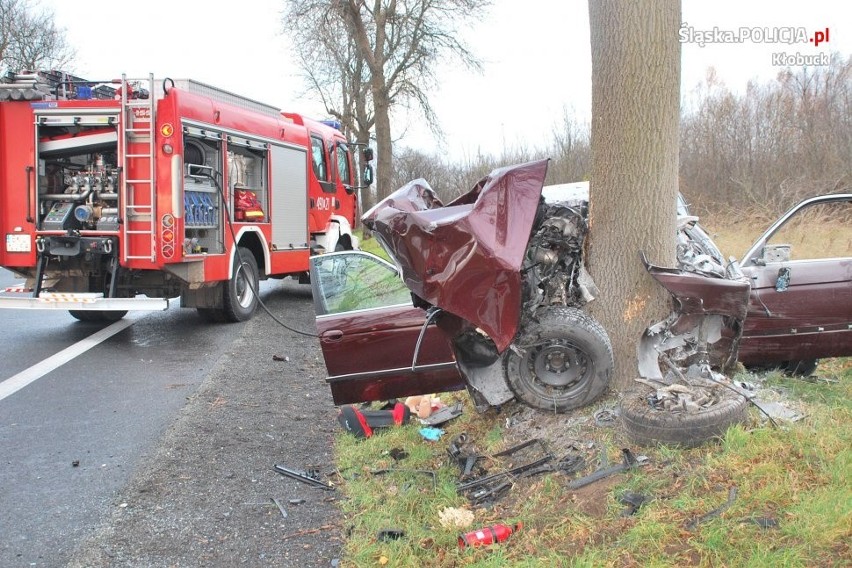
(465, 257)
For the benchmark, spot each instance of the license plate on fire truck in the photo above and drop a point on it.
(18, 243)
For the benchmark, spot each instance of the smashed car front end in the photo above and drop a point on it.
(506, 270)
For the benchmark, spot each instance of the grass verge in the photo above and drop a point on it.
(792, 504)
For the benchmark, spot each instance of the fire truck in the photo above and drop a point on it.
(125, 194)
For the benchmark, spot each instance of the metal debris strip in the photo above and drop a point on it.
(679, 397)
(630, 462)
(280, 507)
(310, 477)
(732, 496)
(492, 487)
(606, 417)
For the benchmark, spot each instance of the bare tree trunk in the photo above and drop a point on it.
(634, 174)
(384, 144)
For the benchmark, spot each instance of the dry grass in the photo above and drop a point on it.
(820, 232)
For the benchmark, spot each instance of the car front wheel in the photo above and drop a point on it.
(561, 362)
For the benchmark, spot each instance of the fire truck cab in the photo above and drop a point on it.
(121, 195)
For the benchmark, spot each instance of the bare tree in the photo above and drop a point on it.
(403, 42)
(332, 67)
(773, 145)
(30, 39)
(635, 112)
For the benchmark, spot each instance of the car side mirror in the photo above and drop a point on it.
(367, 175)
(776, 253)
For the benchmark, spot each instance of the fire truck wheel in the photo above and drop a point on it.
(240, 291)
(97, 315)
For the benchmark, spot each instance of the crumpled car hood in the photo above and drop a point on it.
(465, 257)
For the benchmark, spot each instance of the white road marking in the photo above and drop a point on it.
(37, 371)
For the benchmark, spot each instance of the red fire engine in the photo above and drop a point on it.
(114, 197)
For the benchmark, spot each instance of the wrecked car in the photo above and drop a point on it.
(500, 274)
(487, 293)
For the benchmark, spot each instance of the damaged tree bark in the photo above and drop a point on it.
(635, 113)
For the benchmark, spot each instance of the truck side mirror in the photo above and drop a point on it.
(367, 175)
(367, 154)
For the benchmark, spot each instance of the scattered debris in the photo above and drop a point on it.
(280, 507)
(762, 522)
(304, 532)
(398, 454)
(311, 477)
(295, 501)
(386, 535)
(453, 517)
(606, 417)
(492, 487)
(633, 501)
(443, 415)
(488, 535)
(630, 461)
(465, 458)
(732, 496)
(361, 422)
(75, 463)
(281, 358)
(779, 411)
(431, 434)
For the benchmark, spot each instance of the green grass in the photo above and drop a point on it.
(797, 476)
(371, 245)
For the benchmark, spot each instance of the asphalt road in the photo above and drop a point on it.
(73, 438)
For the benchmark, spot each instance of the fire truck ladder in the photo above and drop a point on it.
(136, 129)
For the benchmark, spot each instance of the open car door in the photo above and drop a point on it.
(801, 277)
(369, 329)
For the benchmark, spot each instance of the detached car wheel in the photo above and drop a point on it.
(646, 425)
(562, 362)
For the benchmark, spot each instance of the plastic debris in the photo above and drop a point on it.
(431, 434)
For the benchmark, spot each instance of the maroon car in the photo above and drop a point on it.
(800, 309)
(488, 294)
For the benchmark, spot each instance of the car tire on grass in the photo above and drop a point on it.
(564, 361)
(645, 425)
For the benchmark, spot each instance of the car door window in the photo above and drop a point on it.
(356, 281)
(820, 231)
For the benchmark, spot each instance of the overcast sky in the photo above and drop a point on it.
(536, 57)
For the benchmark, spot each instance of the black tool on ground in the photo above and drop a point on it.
(390, 534)
(629, 462)
(462, 455)
(310, 477)
(361, 422)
